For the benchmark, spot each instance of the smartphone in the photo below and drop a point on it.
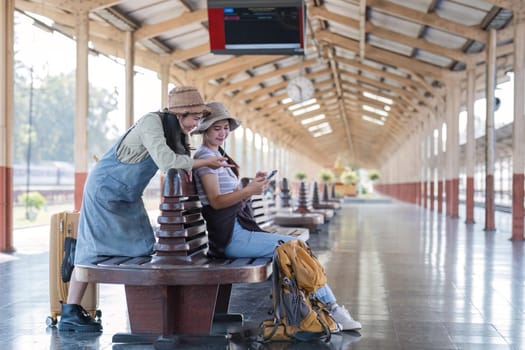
(271, 174)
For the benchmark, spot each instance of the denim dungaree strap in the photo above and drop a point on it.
(113, 219)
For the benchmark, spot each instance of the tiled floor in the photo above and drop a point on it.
(415, 280)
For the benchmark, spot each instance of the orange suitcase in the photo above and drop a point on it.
(64, 227)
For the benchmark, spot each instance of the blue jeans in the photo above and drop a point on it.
(254, 244)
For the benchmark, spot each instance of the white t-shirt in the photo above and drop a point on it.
(228, 181)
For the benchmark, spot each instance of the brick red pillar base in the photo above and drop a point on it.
(469, 203)
(417, 193)
(454, 201)
(517, 207)
(425, 194)
(448, 197)
(440, 196)
(489, 203)
(80, 180)
(432, 195)
(6, 209)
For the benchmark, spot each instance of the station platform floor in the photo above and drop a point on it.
(415, 279)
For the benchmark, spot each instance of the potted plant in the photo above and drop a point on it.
(326, 175)
(33, 201)
(349, 178)
(373, 175)
(300, 176)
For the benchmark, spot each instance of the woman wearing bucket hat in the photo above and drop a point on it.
(232, 230)
(113, 220)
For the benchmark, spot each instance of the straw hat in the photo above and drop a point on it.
(186, 99)
(218, 112)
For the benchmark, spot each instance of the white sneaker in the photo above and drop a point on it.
(343, 318)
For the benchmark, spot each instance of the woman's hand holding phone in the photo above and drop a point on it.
(271, 174)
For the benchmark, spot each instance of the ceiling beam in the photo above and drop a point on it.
(196, 51)
(232, 65)
(385, 57)
(186, 18)
(508, 4)
(429, 19)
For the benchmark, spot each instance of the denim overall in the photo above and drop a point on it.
(113, 220)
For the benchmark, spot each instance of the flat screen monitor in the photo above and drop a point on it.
(271, 27)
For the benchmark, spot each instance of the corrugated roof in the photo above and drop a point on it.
(359, 54)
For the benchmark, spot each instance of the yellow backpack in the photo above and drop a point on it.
(297, 314)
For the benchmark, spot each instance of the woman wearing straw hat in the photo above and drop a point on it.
(232, 231)
(113, 220)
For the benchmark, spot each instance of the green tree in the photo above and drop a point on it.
(21, 111)
(102, 132)
(53, 117)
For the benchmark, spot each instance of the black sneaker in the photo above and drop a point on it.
(75, 319)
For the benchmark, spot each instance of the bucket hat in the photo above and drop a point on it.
(218, 112)
(186, 99)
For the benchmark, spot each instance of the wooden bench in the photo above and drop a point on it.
(285, 221)
(179, 290)
(318, 204)
(304, 205)
(265, 211)
(333, 197)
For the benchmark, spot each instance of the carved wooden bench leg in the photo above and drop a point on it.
(223, 298)
(173, 311)
(222, 320)
(169, 310)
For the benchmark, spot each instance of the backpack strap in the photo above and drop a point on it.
(276, 296)
(277, 288)
(322, 307)
(276, 281)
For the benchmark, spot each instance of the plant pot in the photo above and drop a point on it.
(31, 214)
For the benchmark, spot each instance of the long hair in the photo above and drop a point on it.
(230, 160)
(176, 139)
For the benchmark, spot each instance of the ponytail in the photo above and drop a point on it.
(230, 160)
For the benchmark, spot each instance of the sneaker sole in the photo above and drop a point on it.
(82, 329)
(348, 329)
